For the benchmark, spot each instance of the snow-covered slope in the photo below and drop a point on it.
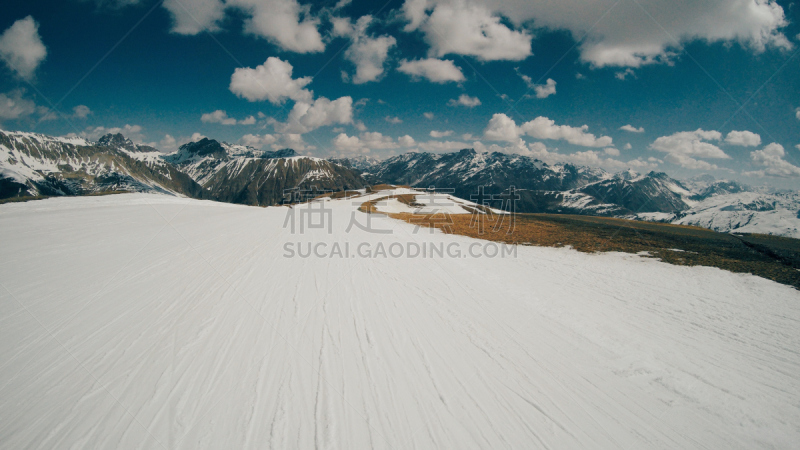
(746, 212)
(143, 321)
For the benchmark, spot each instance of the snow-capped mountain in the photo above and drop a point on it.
(542, 187)
(240, 174)
(34, 164)
(741, 212)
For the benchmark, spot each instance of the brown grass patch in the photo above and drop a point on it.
(765, 256)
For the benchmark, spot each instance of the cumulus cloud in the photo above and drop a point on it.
(627, 146)
(684, 147)
(270, 81)
(13, 106)
(428, 115)
(632, 128)
(772, 159)
(258, 140)
(285, 23)
(132, 132)
(458, 27)
(308, 116)
(797, 113)
(81, 112)
(218, 116)
(442, 146)
(168, 144)
(611, 151)
(432, 69)
(367, 53)
(393, 120)
(591, 158)
(369, 141)
(195, 16)
(743, 138)
(221, 117)
(541, 90)
(689, 162)
(625, 36)
(503, 128)
(21, 47)
(465, 100)
(624, 74)
(440, 134)
(406, 141)
(544, 128)
(545, 90)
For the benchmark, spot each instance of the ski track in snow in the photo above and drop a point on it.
(145, 321)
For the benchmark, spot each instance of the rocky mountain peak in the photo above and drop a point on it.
(116, 140)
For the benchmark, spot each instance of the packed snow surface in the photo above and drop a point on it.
(144, 321)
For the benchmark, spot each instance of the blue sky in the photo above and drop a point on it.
(690, 87)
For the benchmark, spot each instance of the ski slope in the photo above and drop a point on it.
(146, 321)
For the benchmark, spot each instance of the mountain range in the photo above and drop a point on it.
(38, 165)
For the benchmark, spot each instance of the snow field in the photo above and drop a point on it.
(145, 321)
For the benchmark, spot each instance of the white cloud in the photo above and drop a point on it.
(196, 137)
(168, 144)
(592, 158)
(502, 128)
(367, 53)
(467, 29)
(544, 128)
(21, 47)
(369, 141)
(406, 141)
(258, 140)
(542, 90)
(442, 146)
(13, 106)
(545, 90)
(627, 146)
(285, 23)
(632, 33)
(435, 70)
(221, 117)
(270, 81)
(771, 158)
(428, 115)
(393, 120)
(611, 151)
(743, 138)
(682, 148)
(689, 162)
(797, 113)
(195, 16)
(132, 132)
(218, 116)
(308, 116)
(624, 74)
(441, 134)
(81, 112)
(465, 100)
(632, 128)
